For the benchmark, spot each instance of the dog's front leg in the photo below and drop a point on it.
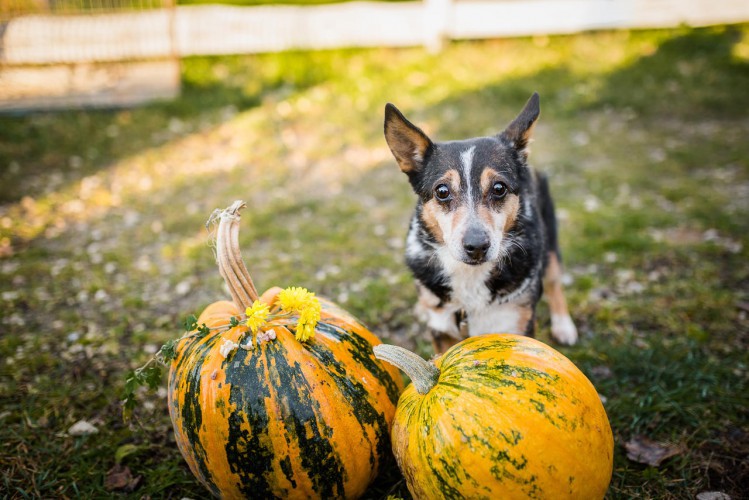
(442, 320)
(563, 329)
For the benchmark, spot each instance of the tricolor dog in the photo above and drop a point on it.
(482, 243)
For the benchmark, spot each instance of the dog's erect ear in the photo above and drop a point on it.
(407, 142)
(519, 131)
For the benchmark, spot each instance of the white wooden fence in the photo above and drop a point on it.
(217, 29)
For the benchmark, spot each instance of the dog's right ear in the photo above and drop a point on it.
(408, 143)
(519, 131)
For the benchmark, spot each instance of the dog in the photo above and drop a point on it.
(482, 243)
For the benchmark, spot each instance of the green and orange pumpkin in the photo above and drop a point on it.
(500, 416)
(287, 418)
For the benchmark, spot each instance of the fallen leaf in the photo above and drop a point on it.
(644, 450)
(119, 477)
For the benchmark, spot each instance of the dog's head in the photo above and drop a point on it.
(470, 191)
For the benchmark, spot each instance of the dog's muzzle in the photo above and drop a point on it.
(476, 243)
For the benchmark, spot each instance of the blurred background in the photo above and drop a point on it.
(124, 124)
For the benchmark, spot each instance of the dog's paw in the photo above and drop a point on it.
(563, 330)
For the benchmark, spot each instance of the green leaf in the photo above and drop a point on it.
(203, 330)
(152, 376)
(190, 323)
(132, 382)
(128, 405)
(169, 351)
(149, 375)
(234, 321)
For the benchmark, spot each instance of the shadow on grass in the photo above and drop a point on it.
(698, 67)
(46, 151)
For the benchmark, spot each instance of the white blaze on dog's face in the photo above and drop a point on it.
(470, 191)
(474, 201)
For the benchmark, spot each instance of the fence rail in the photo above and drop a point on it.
(218, 29)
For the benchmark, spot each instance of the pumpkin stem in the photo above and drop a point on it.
(422, 373)
(229, 257)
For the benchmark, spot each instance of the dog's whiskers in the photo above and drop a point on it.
(514, 242)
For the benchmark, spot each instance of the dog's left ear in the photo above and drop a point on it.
(408, 143)
(519, 131)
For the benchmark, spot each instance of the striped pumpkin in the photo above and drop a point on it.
(500, 416)
(286, 419)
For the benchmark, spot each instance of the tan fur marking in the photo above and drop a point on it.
(553, 286)
(525, 314)
(459, 215)
(452, 178)
(486, 215)
(488, 176)
(429, 213)
(527, 137)
(511, 208)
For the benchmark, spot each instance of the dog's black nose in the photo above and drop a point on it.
(476, 243)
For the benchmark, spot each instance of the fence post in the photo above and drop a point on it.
(436, 22)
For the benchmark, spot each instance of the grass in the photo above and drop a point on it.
(104, 251)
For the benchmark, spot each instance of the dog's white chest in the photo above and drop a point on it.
(474, 297)
(497, 318)
(468, 283)
(470, 291)
(471, 294)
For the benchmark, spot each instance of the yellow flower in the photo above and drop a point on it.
(294, 299)
(304, 332)
(257, 315)
(308, 318)
(303, 302)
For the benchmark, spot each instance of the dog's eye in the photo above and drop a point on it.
(499, 190)
(442, 192)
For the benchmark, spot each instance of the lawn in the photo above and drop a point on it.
(103, 249)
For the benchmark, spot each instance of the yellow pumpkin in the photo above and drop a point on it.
(287, 418)
(500, 416)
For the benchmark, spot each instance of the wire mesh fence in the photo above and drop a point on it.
(68, 53)
(15, 8)
(67, 31)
